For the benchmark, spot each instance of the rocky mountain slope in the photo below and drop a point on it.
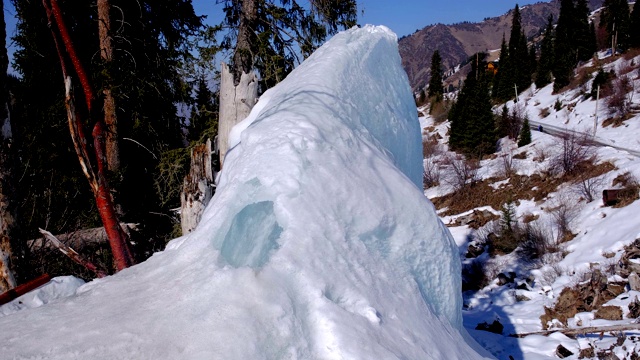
(457, 42)
(568, 286)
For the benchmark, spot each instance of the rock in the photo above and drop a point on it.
(474, 251)
(522, 285)
(504, 279)
(634, 309)
(496, 327)
(634, 281)
(562, 352)
(520, 297)
(587, 353)
(609, 313)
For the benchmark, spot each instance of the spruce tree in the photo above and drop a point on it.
(472, 124)
(525, 134)
(265, 35)
(497, 91)
(153, 39)
(615, 19)
(435, 83)
(584, 38)
(545, 62)
(564, 49)
(204, 113)
(515, 71)
(634, 25)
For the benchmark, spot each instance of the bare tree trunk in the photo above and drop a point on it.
(7, 280)
(198, 187)
(236, 102)
(72, 254)
(583, 330)
(109, 107)
(238, 85)
(118, 239)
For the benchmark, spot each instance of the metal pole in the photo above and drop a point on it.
(595, 118)
(515, 87)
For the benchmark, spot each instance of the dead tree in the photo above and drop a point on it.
(96, 175)
(198, 187)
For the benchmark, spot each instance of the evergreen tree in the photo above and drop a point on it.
(266, 35)
(497, 90)
(525, 133)
(435, 83)
(615, 19)
(564, 49)
(147, 83)
(545, 62)
(472, 123)
(502, 128)
(584, 38)
(203, 122)
(515, 71)
(634, 24)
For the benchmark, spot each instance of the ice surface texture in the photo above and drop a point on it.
(319, 243)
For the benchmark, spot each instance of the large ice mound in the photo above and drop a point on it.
(319, 243)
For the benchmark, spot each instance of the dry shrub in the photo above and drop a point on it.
(629, 189)
(564, 210)
(544, 112)
(439, 111)
(430, 146)
(431, 173)
(587, 187)
(621, 98)
(461, 173)
(572, 153)
(581, 79)
(508, 166)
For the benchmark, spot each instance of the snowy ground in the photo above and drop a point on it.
(602, 232)
(318, 243)
(295, 262)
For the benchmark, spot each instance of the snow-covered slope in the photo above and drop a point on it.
(601, 232)
(318, 244)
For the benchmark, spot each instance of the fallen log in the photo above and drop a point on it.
(20, 290)
(583, 330)
(73, 255)
(79, 239)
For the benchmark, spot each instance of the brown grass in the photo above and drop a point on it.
(535, 187)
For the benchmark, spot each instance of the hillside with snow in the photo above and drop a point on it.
(593, 259)
(318, 244)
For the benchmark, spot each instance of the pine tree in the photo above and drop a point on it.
(584, 38)
(435, 83)
(564, 49)
(203, 122)
(515, 70)
(502, 128)
(615, 19)
(267, 37)
(525, 134)
(497, 90)
(634, 24)
(146, 83)
(545, 62)
(472, 123)
(264, 35)
(7, 200)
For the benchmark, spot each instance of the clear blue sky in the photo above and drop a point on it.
(402, 16)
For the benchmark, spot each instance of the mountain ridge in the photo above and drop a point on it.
(456, 42)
